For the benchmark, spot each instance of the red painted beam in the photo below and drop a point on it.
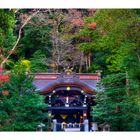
(49, 76)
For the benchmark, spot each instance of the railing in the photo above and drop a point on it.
(63, 127)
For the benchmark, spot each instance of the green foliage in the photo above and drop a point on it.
(116, 50)
(109, 36)
(38, 62)
(35, 38)
(113, 45)
(7, 23)
(117, 103)
(7, 20)
(23, 108)
(35, 46)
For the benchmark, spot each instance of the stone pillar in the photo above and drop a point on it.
(54, 125)
(40, 127)
(86, 125)
(94, 127)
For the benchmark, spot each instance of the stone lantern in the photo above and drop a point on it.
(105, 126)
(94, 127)
(40, 127)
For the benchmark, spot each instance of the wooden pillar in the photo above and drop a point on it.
(85, 101)
(50, 119)
(84, 114)
(49, 101)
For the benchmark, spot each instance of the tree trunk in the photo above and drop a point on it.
(127, 84)
(86, 63)
(89, 61)
(81, 61)
(19, 36)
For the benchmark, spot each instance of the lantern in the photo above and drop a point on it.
(92, 25)
(40, 127)
(84, 114)
(94, 127)
(68, 88)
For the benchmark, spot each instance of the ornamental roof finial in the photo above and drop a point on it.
(68, 70)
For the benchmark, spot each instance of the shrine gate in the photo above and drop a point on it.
(69, 96)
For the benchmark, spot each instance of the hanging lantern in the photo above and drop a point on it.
(92, 25)
(68, 88)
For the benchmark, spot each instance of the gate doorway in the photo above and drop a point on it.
(68, 116)
(70, 93)
(70, 108)
(68, 119)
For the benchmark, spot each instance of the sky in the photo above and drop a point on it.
(69, 3)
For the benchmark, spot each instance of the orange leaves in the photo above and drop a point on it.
(91, 25)
(3, 78)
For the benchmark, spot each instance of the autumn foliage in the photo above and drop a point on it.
(92, 25)
(4, 78)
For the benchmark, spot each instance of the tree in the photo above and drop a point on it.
(115, 106)
(118, 39)
(38, 62)
(51, 31)
(64, 52)
(108, 37)
(7, 29)
(7, 37)
(23, 108)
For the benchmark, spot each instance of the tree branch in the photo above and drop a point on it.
(18, 39)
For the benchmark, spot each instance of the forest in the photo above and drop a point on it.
(48, 40)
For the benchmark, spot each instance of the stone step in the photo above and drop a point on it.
(72, 129)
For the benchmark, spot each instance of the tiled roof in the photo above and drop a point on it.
(44, 81)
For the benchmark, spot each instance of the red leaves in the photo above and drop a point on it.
(5, 92)
(4, 78)
(92, 25)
